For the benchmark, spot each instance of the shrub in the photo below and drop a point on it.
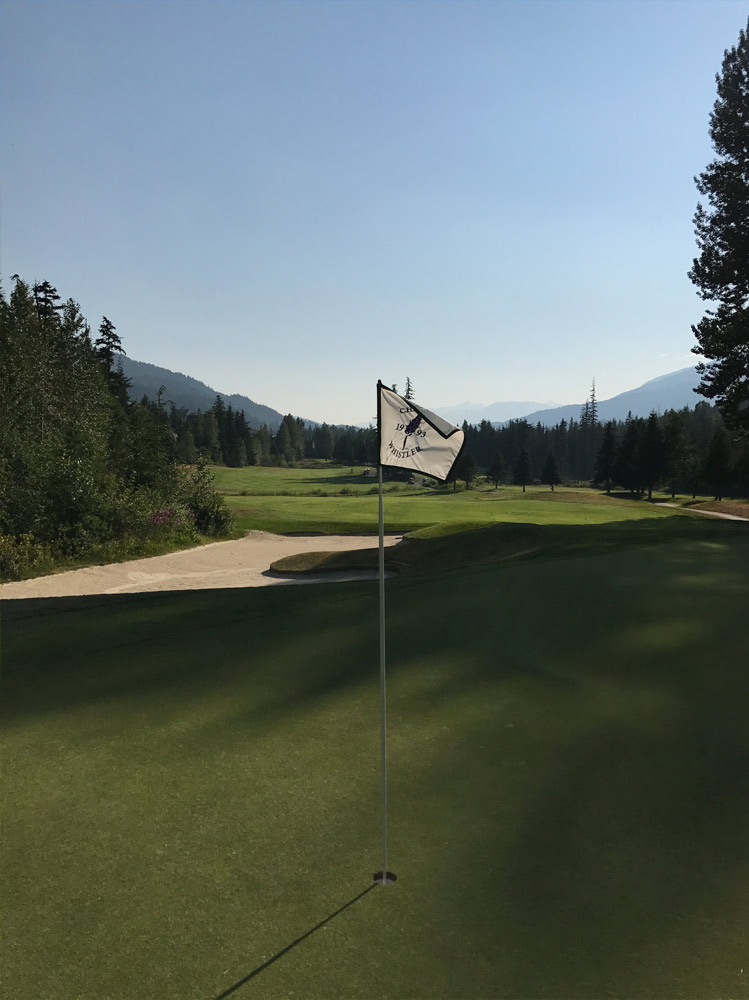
(22, 556)
(196, 493)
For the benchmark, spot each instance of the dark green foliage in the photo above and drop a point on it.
(207, 507)
(521, 475)
(80, 467)
(550, 473)
(721, 272)
(496, 471)
(718, 463)
(466, 468)
(626, 466)
(652, 456)
(605, 458)
(108, 343)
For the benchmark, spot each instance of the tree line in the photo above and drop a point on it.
(83, 470)
(687, 450)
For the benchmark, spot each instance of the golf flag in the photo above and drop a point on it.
(412, 437)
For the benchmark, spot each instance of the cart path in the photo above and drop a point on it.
(242, 562)
(707, 513)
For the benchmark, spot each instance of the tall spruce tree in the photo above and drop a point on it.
(721, 272)
(652, 454)
(718, 463)
(606, 458)
(496, 470)
(550, 473)
(108, 343)
(522, 472)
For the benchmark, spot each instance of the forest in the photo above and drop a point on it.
(688, 450)
(88, 473)
(85, 473)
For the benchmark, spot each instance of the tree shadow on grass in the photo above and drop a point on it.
(623, 846)
(284, 951)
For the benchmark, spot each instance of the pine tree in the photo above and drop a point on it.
(651, 454)
(522, 472)
(626, 470)
(550, 473)
(675, 446)
(465, 468)
(496, 470)
(589, 412)
(605, 458)
(718, 463)
(108, 343)
(721, 272)
(409, 393)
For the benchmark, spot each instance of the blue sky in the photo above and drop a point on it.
(292, 199)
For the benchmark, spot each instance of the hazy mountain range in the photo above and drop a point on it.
(672, 391)
(189, 394)
(666, 392)
(474, 413)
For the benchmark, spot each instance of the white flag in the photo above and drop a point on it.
(414, 438)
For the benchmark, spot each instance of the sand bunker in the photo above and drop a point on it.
(243, 562)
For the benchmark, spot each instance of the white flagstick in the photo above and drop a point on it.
(384, 877)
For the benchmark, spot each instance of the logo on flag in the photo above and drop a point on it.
(412, 437)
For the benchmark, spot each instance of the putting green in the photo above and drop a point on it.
(190, 784)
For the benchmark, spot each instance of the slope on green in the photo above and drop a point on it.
(451, 545)
(191, 783)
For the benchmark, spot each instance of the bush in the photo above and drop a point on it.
(208, 508)
(22, 556)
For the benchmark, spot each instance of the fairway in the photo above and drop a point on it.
(312, 499)
(191, 785)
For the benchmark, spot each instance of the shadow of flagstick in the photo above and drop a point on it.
(280, 954)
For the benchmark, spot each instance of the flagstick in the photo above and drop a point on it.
(384, 877)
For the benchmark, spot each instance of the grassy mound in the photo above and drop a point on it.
(446, 547)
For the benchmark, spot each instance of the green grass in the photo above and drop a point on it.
(190, 783)
(412, 508)
(317, 476)
(447, 547)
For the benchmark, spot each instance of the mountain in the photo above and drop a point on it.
(474, 413)
(190, 394)
(667, 392)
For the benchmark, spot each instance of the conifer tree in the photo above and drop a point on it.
(651, 454)
(108, 343)
(496, 470)
(522, 473)
(550, 473)
(721, 272)
(718, 463)
(605, 458)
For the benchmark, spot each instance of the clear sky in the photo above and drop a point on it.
(291, 199)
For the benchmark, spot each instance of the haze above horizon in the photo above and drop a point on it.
(291, 200)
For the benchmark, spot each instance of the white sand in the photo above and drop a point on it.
(240, 563)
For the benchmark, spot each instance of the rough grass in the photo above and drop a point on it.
(190, 784)
(739, 508)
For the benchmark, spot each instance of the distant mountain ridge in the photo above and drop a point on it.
(474, 413)
(667, 392)
(189, 394)
(672, 391)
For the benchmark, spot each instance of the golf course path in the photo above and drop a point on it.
(707, 513)
(241, 562)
